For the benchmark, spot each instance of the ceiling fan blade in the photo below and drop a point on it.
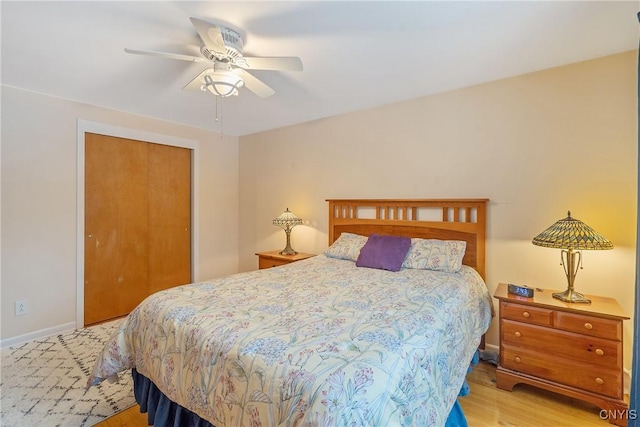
(166, 55)
(198, 81)
(210, 35)
(284, 63)
(254, 84)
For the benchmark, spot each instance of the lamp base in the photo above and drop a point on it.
(288, 250)
(572, 296)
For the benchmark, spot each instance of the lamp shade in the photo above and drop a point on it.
(571, 233)
(287, 220)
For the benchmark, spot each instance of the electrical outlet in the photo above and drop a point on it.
(22, 307)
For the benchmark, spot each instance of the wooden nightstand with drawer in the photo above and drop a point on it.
(274, 258)
(571, 349)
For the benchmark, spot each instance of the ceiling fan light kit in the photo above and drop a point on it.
(222, 47)
(223, 84)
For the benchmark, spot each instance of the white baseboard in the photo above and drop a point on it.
(492, 348)
(627, 381)
(42, 333)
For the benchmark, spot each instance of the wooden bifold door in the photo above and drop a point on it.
(137, 223)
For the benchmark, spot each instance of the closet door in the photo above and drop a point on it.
(137, 223)
(169, 216)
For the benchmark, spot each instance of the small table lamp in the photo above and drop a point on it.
(287, 220)
(571, 235)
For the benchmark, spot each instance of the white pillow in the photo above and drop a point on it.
(433, 254)
(347, 246)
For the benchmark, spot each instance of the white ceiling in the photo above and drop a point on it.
(356, 55)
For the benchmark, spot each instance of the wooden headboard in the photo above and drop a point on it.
(444, 219)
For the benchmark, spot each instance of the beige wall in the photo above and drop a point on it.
(536, 145)
(39, 228)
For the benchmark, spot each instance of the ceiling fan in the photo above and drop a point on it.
(222, 47)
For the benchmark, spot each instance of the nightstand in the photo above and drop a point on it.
(274, 258)
(571, 349)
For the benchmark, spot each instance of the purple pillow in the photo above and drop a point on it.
(384, 252)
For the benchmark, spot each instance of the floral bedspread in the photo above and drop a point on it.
(319, 342)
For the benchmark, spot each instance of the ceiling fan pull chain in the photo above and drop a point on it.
(221, 121)
(219, 116)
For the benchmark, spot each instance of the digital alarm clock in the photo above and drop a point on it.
(521, 290)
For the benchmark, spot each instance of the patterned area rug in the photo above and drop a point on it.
(43, 382)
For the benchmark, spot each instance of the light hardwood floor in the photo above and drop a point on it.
(485, 406)
(525, 406)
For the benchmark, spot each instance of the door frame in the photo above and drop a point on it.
(85, 126)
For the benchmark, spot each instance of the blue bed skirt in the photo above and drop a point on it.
(162, 412)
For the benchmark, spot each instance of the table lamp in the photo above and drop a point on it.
(572, 236)
(287, 220)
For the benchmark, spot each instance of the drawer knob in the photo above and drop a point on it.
(588, 326)
(599, 352)
(526, 314)
(599, 381)
(517, 359)
(518, 334)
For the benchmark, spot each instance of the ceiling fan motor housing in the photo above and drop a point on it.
(233, 42)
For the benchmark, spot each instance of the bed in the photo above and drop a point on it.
(333, 340)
